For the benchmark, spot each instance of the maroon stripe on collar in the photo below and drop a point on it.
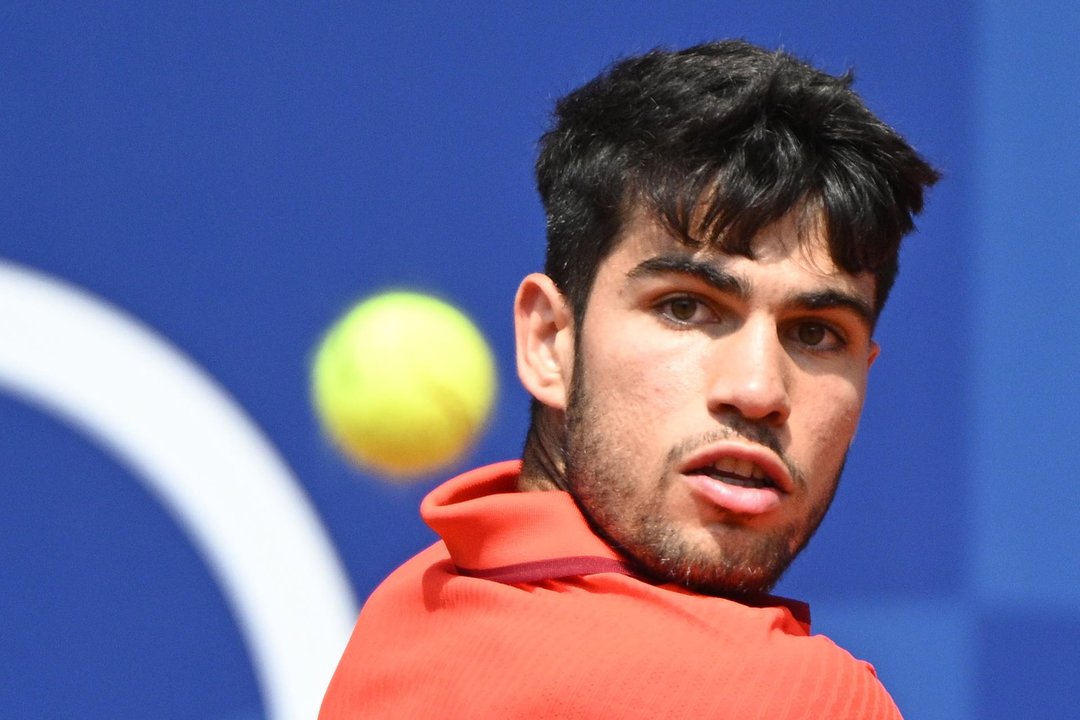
(549, 569)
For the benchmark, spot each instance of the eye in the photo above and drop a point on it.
(683, 309)
(811, 333)
(686, 310)
(817, 336)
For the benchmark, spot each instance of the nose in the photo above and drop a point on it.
(750, 373)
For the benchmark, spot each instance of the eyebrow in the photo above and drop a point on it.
(727, 283)
(683, 265)
(830, 299)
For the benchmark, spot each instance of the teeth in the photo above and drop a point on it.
(741, 468)
(744, 468)
(727, 465)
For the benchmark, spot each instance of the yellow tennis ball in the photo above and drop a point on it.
(403, 383)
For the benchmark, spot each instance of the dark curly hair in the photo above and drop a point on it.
(716, 142)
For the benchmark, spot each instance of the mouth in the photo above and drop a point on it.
(740, 478)
(742, 473)
(742, 464)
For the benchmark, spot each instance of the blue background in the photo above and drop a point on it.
(237, 176)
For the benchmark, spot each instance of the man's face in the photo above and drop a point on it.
(713, 400)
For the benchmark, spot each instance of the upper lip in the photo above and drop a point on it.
(761, 457)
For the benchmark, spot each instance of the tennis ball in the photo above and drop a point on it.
(403, 383)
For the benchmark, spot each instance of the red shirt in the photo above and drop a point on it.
(522, 612)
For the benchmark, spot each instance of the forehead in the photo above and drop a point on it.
(793, 250)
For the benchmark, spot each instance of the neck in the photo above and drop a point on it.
(543, 465)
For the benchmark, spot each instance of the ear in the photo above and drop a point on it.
(544, 334)
(875, 350)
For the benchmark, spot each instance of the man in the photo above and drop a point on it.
(723, 229)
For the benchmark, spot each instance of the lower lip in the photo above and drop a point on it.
(737, 499)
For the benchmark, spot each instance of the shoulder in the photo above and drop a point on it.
(432, 642)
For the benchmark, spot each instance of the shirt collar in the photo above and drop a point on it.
(487, 523)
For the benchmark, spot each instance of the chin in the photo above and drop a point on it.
(726, 581)
(734, 584)
(731, 562)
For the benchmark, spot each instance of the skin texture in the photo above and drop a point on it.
(687, 358)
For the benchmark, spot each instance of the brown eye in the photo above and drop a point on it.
(683, 309)
(812, 334)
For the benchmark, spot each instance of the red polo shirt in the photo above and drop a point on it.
(522, 612)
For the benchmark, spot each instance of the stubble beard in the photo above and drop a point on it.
(735, 560)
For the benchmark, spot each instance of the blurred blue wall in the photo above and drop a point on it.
(232, 179)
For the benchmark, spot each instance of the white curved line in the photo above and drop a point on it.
(198, 452)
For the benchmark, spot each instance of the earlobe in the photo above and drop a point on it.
(543, 331)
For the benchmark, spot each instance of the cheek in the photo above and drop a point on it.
(829, 418)
(646, 380)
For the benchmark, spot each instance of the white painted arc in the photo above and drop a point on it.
(159, 414)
